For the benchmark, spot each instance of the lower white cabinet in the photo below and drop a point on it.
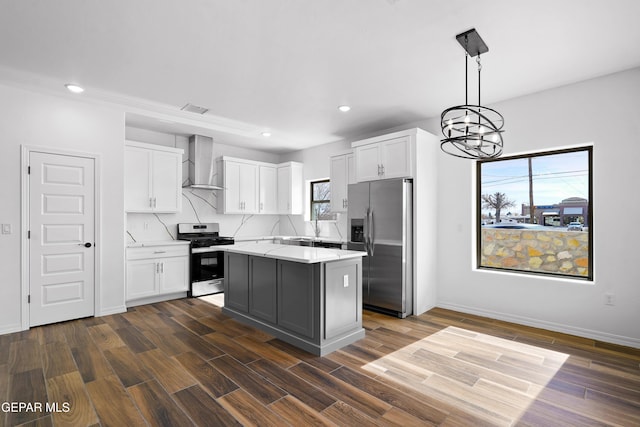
(154, 271)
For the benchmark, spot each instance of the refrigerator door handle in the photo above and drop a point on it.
(371, 237)
(365, 231)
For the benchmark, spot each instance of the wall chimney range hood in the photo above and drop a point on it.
(201, 164)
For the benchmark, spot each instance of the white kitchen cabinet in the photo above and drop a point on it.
(268, 189)
(342, 173)
(290, 192)
(384, 159)
(155, 271)
(152, 178)
(241, 183)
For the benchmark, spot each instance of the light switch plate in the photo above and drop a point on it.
(345, 280)
(6, 228)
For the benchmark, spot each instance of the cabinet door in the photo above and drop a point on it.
(284, 189)
(396, 157)
(268, 198)
(166, 174)
(142, 278)
(236, 281)
(262, 288)
(174, 274)
(338, 174)
(290, 191)
(351, 169)
(137, 180)
(368, 162)
(232, 187)
(296, 297)
(249, 188)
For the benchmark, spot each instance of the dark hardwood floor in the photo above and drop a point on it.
(185, 363)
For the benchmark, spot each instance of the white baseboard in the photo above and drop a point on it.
(9, 329)
(536, 323)
(112, 310)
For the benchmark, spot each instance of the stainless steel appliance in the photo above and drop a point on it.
(207, 263)
(380, 222)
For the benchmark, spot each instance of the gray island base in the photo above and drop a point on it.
(308, 297)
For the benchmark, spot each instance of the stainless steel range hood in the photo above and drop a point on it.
(202, 173)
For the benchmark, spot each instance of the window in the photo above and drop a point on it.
(321, 200)
(534, 213)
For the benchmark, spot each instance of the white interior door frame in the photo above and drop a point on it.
(24, 223)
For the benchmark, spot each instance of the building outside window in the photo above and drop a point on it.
(552, 238)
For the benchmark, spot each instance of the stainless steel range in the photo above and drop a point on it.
(207, 263)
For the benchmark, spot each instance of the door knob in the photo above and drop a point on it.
(86, 245)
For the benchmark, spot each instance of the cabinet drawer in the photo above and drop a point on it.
(157, 252)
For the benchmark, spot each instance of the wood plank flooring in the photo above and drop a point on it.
(183, 363)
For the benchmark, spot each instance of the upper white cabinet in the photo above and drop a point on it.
(252, 187)
(290, 194)
(390, 158)
(241, 183)
(268, 189)
(152, 177)
(342, 171)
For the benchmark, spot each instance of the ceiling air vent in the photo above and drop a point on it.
(194, 109)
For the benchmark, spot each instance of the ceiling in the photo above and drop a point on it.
(286, 65)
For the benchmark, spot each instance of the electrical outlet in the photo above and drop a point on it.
(609, 299)
(345, 280)
(6, 228)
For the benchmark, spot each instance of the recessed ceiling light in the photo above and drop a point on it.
(266, 134)
(74, 88)
(344, 108)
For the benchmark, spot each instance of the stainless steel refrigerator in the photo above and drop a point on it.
(380, 219)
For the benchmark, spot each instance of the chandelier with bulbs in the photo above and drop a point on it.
(472, 131)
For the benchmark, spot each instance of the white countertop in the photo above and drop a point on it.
(157, 243)
(315, 239)
(302, 254)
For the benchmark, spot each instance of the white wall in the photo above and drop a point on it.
(41, 120)
(601, 111)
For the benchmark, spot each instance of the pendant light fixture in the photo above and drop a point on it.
(471, 131)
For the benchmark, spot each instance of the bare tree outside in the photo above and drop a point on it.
(321, 201)
(496, 201)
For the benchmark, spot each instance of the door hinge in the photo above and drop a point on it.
(28, 170)
(28, 299)
(28, 234)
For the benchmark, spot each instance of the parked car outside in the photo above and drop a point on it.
(515, 225)
(574, 226)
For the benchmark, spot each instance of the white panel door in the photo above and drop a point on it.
(62, 236)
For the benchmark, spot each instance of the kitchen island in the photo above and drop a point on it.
(308, 297)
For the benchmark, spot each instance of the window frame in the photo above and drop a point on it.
(478, 215)
(313, 202)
